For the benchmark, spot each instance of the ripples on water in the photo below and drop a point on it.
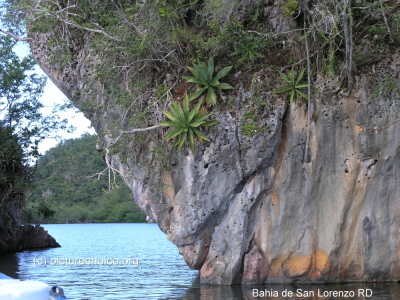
(161, 272)
(161, 269)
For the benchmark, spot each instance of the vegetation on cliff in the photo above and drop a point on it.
(134, 57)
(137, 51)
(13, 176)
(67, 188)
(186, 122)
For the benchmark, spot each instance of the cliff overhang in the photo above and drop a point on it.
(247, 207)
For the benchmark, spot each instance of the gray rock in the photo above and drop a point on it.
(250, 210)
(35, 237)
(26, 237)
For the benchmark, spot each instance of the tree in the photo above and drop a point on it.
(17, 114)
(20, 108)
(22, 127)
(12, 171)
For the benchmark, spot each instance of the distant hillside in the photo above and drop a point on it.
(63, 192)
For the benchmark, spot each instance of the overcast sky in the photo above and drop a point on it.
(52, 96)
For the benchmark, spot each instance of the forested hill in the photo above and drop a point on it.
(64, 192)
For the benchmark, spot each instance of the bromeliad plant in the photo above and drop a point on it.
(293, 85)
(186, 122)
(248, 51)
(203, 75)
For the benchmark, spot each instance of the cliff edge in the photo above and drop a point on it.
(255, 205)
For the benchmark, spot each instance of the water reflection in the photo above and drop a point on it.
(356, 291)
(9, 265)
(207, 292)
(161, 273)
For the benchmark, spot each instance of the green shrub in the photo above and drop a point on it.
(290, 7)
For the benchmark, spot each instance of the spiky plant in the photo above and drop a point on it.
(203, 75)
(186, 122)
(248, 51)
(293, 85)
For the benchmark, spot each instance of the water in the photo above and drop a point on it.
(136, 261)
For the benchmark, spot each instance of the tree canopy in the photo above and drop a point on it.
(22, 127)
(20, 105)
(65, 190)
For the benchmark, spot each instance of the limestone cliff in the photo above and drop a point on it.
(247, 208)
(15, 237)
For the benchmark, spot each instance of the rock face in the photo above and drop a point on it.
(15, 237)
(25, 237)
(36, 237)
(250, 210)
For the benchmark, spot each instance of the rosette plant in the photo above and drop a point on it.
(293, 85)
(249, 51)
(203, 75)
(186, 122)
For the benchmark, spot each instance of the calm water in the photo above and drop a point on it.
(136, 261)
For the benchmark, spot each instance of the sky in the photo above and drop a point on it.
(52, 96)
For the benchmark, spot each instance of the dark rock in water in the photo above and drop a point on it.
(36, 237)
(25, 237)
(15, 237)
